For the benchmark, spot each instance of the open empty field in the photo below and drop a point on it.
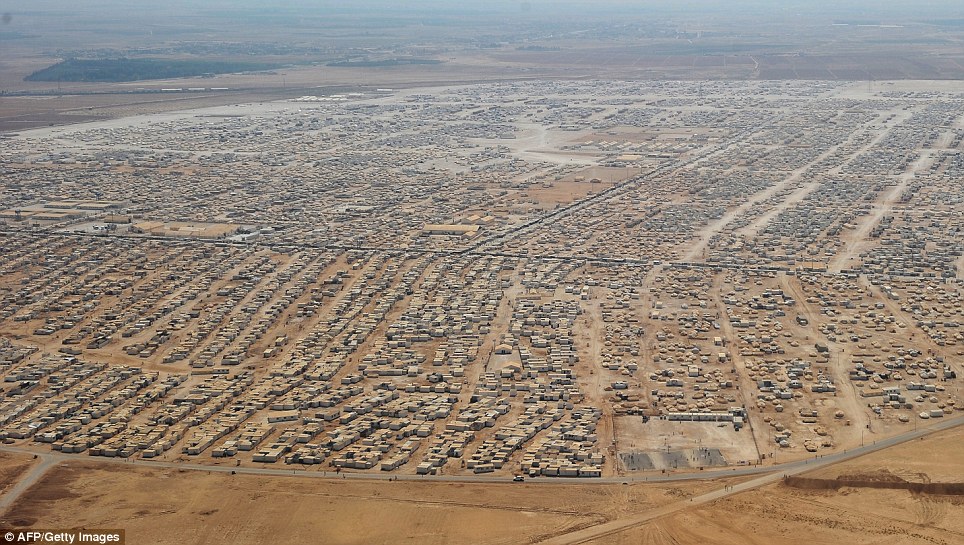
(858, 515)
(931, 459)
(12, 468)
(166, 505)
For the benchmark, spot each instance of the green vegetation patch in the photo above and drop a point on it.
(114, 70)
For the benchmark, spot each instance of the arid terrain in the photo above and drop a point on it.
(779, 513)
(515, 41)
(164, 505)
(670, 275)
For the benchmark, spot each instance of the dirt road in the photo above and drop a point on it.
(857, 240)
(27, 480)
(600, 530)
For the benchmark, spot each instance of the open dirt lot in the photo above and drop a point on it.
(12, 467)
(932, 459)
(165, 506)
(661, 436)
(778, 513)
(782, 515)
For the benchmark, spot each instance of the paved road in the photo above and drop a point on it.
(769, 474)
(777, 473)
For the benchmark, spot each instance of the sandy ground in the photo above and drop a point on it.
(662, 435)
(165, 506)
(12, 467)
(780, 514)
(936, 458)
(777, 514)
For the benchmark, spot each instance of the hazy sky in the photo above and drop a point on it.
(547, 8)
(212, 20)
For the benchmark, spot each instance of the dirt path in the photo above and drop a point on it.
(793, 198)
(758, 198)
(732, 338)
(846, 397)
(897, 309)
(790, 468)
(794, 468)
(29, 479)
(857, 239)
(593, 385)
